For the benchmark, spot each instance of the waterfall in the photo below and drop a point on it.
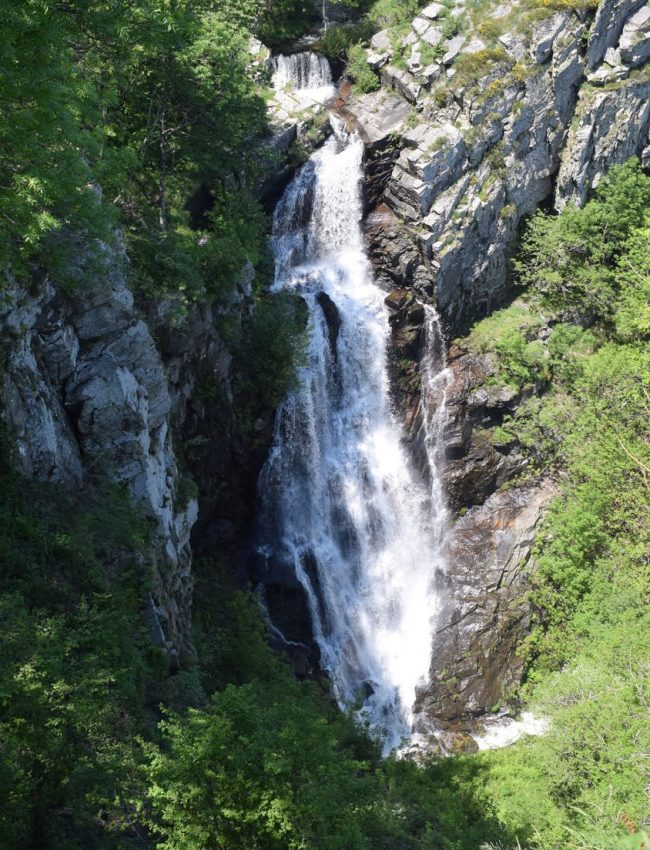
(435, 379)
(341, 505)
(305, 75)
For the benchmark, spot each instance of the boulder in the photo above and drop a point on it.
(453, 47)
(432, 36)
(433, 11)
(401, 81)
(634, 45)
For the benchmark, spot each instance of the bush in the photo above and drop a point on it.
(390, 13)
(270, 349)
(75, 661)
(283, 21)
(364, 78)
(574, 260)
(337, 40)
(473, 66)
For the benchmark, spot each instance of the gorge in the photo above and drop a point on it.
(324, 425)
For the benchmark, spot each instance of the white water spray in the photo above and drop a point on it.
(306, 76)
(342, 506)
(435, 379)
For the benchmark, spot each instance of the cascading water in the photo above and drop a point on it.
(435, 378)
(307, 76)
(341, 505)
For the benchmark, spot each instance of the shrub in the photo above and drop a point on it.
(389, 13)
(337, 39)
(270, 348)
(573, 260)
(472, 66)
(365, 79)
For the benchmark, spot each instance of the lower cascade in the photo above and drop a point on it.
(341, 503)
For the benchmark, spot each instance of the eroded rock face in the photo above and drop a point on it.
(561, 101)
(611, 16)
(473, 661)
(474, 467)
(84, 388)
(610, 127)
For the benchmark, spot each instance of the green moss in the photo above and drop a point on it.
(472, 66)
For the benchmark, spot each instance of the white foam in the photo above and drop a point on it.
(307, 76)
(503, 732)
(342, 504)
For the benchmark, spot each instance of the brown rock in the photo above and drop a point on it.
(396, 299)
(485, 616)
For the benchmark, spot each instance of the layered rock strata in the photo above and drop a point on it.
(510, 113)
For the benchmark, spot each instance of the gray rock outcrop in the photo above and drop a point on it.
(474, 664)
(84, 391)
(474, 467)
(538, 118)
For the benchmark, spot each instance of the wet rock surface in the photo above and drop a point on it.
(474, 467)
(474, 665)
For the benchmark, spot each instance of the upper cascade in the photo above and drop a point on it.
(307, 74)
(341, 505)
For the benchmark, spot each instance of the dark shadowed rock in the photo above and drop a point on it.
(332, 317)
(474, 468)
(485, 616)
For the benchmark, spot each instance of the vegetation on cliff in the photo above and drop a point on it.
(583, 341)
(143, 115)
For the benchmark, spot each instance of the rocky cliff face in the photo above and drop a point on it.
(479, 121)
(474, 665)
(520, 108)
(84, 391)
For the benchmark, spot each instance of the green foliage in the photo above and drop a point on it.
(521, 362)
(451, 26)
(46, 108)
(574, 261)
(275, 764)
(337, 40)
(150, 101)
(365, 80)
(281, 21)
(632, 312)
(268, 768)
(473, 66)
(573, 787)
(270, 348)
(551, 6)
(511, 333)
(390, 13)
(74, 660)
